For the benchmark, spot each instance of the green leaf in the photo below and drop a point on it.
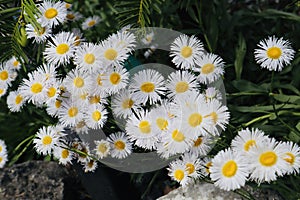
(240, 53)
(287, 98)
(247, 86)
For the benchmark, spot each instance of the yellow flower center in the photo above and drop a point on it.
(198, 142)
(64, 153)
(78, 82)
(102, 148)
(0, 149)
(147, 87)
(4, 75)
(1, 159)
(290, 159)
(195, 119)
(145, 126)
(70, 16)
(51, 92)
(127, 103)
(110, 54)
(73, 111)
(274, 52)
(178, 136)
(91, 23)
(181, 87)
(36, 88)
(207, 68)
(208, 165)
(68, 5)
(179, 174)
(190, 168)
(18, 99)
(1, 91)
(62, 48)
(229, 168)
(249, 144)
(115, 78)
(95, 99)
(96, 115)
(119, 145)
(83, 96)
(47, 140)
(57, 103)
(162, 123)
(99, 80)
(15, 63)
(268, 158)
(186, 51)
(89, 58)
(51, 13)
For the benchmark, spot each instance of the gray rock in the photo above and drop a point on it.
(40, 180)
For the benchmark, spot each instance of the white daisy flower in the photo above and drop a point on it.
(77, 82)
(111, 52)
(139, 128)
(201, 146)
(115, 79)
(212, 93)
(3, 89)
(180, 83)
(124, 39)
(3, 159)
(13, 63)
(90, 166)
(15, 101)
(123, 104)
(63, 154)
(194, 118)
(185, 51)
(52, 13)
(34, 89)
(70, 112)
(291, 156)
(206, 164)
(3, 148)
(160, 118)
(6, 75)
(61, 49)
(121, 147)
(84, 149)
(87, 57)
(266, 161)
(229, 170)
(177, 172)
(53, 107)
(97, 87)
(38, 36)
(81, 127)
(176, 139)
(95, 116)
(210, 66)
(46, 140)
(247, 139)
(73, 16)
(78, 36)
(147, 85)
(193, 165)
(274, 53)
(149, 37)
(219, 115)
(102, 149)
(90, 22)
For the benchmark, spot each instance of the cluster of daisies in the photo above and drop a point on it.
(3, 153)
(174, 114)
(252, 156)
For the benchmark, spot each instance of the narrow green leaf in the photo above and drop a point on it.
(240, 53)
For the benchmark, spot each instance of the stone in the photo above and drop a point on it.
(40, 180)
